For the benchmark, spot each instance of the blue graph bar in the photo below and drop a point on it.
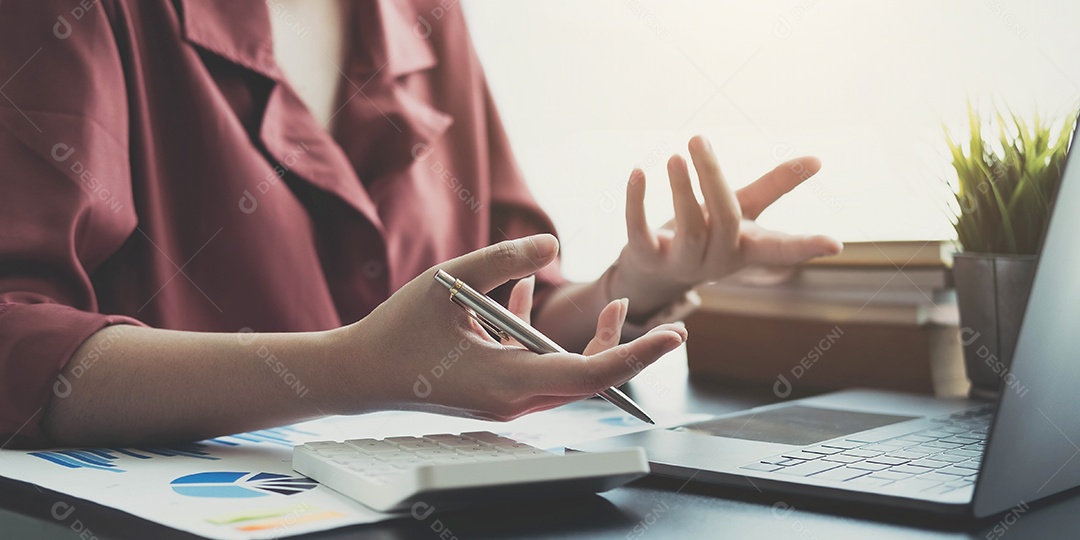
(102, 458)
(127, 452)
(224, 442)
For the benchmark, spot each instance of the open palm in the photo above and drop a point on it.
(707, 241)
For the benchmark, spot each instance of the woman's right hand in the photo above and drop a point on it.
(419, 351)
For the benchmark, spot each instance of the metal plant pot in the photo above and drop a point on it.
(992, 292)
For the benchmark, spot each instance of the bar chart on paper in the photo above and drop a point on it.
(238, 486)
(104, 459)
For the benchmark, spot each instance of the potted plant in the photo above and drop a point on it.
(1005, 185)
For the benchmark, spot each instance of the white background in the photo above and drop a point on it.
(589, 89)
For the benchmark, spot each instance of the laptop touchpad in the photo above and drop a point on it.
(796, 425)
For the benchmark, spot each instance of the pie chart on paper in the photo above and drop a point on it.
(235, 485)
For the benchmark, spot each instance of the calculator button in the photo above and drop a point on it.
(419, 445)
(401, 440)
(434, 453)
(474, 451)
(394, 456)
(462, 443)
(315, 445)
(441, 437)
(329, 452)
(371, 445)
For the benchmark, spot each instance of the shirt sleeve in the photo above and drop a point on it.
(66, 202)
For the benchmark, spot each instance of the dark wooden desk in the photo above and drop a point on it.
(647, 509)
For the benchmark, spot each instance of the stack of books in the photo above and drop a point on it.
(881, 314)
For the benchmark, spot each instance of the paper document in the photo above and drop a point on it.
(243, 486)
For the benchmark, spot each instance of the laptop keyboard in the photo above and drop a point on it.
(934, 460)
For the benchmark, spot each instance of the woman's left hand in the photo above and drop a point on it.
(705, 242)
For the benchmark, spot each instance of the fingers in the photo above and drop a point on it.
(775, 248)
(722, 205)
(691, 232)
(756, 197)
(608, 327)
(532, 384)
(521, 298)
(638, 234)
(574, 375)
(487, 268)
(676, 327)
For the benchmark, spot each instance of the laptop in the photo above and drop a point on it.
(957, 457)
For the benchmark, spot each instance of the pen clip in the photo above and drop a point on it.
(494, 331)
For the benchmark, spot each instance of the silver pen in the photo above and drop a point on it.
(503, 324)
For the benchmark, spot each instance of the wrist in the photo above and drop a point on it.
(648, 294)
(333, 355)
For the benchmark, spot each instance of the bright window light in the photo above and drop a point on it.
(590, 89)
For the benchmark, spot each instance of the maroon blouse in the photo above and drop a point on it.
(156, 169)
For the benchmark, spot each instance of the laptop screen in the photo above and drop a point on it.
(1034, 445)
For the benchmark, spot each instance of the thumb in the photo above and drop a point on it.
(487, 268)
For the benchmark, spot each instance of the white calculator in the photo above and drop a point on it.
(449, 470)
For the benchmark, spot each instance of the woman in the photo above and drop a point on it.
(205, 228)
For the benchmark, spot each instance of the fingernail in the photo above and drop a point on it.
(625, 309)
(682, 333)
(830, 252)
(677, 341)
(543, 247)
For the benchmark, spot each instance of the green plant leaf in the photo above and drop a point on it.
(1005, 185)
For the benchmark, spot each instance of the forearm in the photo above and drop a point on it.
(129, 385)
